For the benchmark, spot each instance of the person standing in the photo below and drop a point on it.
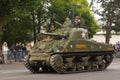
(28, 48)
(67, 22)
(20, 52)
(16, 52)
(24, 50)
(12, 52)
(77, 22)
(5, 51)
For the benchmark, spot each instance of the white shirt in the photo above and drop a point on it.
(5, 48)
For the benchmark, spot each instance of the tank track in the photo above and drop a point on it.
(82, 62)
(36, 69)
(30, 68)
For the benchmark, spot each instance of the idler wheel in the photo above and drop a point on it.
(87, 67)
(102, 66)
(94, 65)
(73, 69)
(79, 66)
(108, 58)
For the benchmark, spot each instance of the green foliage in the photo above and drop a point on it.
(18, 31)
(15, 10)
(90, 22)
(110, 16)
(26, 16)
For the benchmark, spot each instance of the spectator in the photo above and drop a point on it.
(28, 48)
(12, 52)
(116, 46)
(16, 52)
(5, 51)
(20, 52)
(24, 49)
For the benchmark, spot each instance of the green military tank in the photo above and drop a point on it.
(68, 50)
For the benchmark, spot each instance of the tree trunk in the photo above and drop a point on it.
(1, 25)
(108, 35)
(108, 29)
(38, 26)
(35, 36)
(34, 25)
(110, 17)
(91, 3)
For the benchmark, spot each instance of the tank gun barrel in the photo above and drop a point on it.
(55, 34)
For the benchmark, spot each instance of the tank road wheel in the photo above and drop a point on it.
(74, 67)
(88, 66)
(79, 66)
(102, 65)
(94, 65)
(57, 64)
(86, 63)
(28, 66)
(108, 58)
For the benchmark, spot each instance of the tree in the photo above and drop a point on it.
(116, 21)
(110, 14)
(16, 9)
(4, 11)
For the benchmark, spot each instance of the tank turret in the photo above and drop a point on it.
(68, 50)
(78, 33)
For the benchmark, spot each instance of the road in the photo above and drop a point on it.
(17, 71)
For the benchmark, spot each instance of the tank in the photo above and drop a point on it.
(68, 50)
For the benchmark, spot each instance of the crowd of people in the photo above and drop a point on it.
(117, 47)
(14, 53)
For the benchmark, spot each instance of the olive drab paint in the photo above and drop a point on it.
(68, 50)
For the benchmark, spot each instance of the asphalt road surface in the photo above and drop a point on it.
(17, 71)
